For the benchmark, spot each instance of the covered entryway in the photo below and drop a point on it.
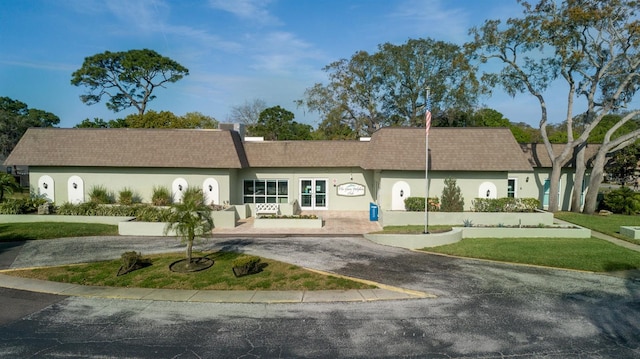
(313, 194)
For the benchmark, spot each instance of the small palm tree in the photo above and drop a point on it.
(8, 184)
(190, 218)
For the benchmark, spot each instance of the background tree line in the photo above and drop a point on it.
(589, 45)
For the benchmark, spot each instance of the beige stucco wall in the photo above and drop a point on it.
(334, 177)
(566, 186)
(140, 180)
(469, 183)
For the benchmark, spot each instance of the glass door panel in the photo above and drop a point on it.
(306, 193)
(313, 194)
(321, 194)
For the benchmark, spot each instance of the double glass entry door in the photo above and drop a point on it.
(313, 194)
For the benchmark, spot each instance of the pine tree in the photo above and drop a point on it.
(451, 200)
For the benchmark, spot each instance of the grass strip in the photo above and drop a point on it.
(274, 276)
(10, 232)
(604, 224)
(590, 254)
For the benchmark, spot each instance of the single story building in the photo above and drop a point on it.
(64, 164)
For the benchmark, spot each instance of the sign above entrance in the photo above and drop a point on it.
(351, 190)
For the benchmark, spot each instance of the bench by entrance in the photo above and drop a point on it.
(267, 208)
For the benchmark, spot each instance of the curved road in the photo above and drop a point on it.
(482, 309)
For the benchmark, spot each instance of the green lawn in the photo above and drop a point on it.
(604, 224)
(584, 254)
(274, 276)
(47, 230)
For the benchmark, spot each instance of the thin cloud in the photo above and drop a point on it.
(144, 14)
(433, 20)
(254, 10)
(283, 52)
(40, 65)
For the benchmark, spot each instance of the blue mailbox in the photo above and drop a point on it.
(373, 212)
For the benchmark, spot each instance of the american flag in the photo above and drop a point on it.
(428, 116)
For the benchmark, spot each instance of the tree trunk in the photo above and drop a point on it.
(554, 185)
(580, 167)
(597, 174)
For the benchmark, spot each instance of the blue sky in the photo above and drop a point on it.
(235, 50)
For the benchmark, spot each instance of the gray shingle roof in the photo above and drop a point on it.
(450, 149)
(306, 153)
(538, 156)
(129, 148)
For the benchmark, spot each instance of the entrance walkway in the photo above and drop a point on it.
(334, 222)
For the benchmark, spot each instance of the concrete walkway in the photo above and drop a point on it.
(606, 237)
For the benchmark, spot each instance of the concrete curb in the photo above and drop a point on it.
(211, 296)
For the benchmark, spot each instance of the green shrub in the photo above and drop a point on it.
(246, 261)
(132, 261)
(623, 200)
(152, 214)
(142, 212)
(161, 196)
(100, 195)
(21, 205)
(505, 204)
(129, 259)
(416, 204)
(452, 200)
(529, 204)
(12, 206)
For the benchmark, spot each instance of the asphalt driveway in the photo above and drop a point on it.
(482, 309)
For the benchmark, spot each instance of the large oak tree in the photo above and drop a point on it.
(591, 46)
(15, 118)
(127, 78)
(389, 87)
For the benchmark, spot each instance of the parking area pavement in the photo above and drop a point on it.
(474, 308)
(481, 309)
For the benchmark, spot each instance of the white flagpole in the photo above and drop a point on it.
(426, 165)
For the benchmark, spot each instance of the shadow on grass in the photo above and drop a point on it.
(620, 266)
(9, 236)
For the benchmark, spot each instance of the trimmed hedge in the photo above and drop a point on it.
(505, 204)
(416, 204)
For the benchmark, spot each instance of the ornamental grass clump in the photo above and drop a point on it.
(127, 197)
(100, 195)
(161, 196)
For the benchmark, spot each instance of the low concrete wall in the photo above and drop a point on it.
(402, 218)
(630, 232)
(287, 223)
(417, 241)
(151, 229)
(554, 232)
(30, 218)
(226, 218)
(242, 210)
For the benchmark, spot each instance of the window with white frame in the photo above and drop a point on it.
(265, 191)
(511, 187)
